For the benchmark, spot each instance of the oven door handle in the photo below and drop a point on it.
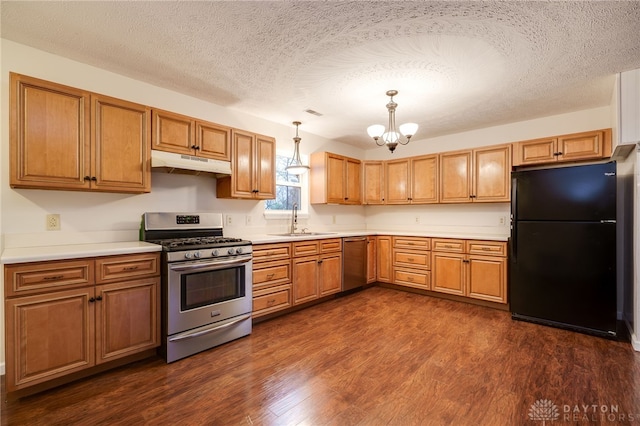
(189, 335)
(210, 265)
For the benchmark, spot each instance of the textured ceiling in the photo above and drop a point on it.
(457, 65)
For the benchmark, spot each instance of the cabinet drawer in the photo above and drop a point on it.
(419, 279)
(119, 268)
(38, 277)
(490, 248)
(306, 248)
(272, 273)
(413, 243)
(268, 252)
(448, 245)
(333, 244)
(273, 300)
(412, 259)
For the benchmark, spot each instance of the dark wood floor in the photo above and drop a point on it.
(376, 357)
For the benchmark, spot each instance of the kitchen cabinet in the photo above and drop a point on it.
(318, 272)
(272, 276)
(479, 175)
(371, 259)
(384, 253)
(252, 168)
(412, 180)
(412, 262)
(185, 135)
(374, 182)
(582, 146)
(335, 179)
(471, 268)
(64, 317)
(69, 139)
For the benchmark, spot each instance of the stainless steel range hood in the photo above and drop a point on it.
(187, 164)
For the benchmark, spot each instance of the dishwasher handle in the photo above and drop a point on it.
(351, 240)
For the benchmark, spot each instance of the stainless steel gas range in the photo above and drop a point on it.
(206, 282)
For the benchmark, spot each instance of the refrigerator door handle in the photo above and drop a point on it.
(607, 221)
(514, 220)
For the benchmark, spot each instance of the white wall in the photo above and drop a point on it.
(115, 217)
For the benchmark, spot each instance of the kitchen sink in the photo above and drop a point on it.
(303, 234)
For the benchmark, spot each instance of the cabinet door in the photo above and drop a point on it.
(265, 164)
(49, 336)
(50, 135)
(121, 145)
(213, 141)
(127, 318)
(242, 167)
(373, 182)
(336, 177)
(397, 189)
(492, 174)
(330, 270)
(424, 179)
(353, 181)
(537, 151)
(448, 273)
(384, 263)
(173, 132)
(371, 259)
(582, 146)
(305, 279)
(487, 278)
(455, 177)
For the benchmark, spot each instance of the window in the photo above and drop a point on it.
(290, 189)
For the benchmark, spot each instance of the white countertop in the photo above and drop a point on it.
(73, 251)
(266, 238)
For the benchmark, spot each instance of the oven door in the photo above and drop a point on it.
(206, 291)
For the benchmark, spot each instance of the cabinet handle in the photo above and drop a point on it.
(410, 199)
(194, 147)
(87, 178)
(472, 196)
(486, 248)
(129, 268)
(410, 278)
(409, 243)
(410, 259)
(53, 277)
(346, 198)
(447, 246)
(99, 298)
(320, 261)
(557, 153)
(270, 276)
(92, 299)
(93, 178)
(271, 302)
(465, 261)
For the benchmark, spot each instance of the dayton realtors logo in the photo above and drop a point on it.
(545, 410)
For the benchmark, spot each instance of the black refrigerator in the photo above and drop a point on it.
(563, 247)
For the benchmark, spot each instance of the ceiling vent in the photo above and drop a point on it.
(312, 112)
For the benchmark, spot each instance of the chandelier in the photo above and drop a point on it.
(295, 166)
(391, 137)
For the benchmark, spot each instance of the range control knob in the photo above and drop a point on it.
(215, 253)
(188, 255)
(196, 254)
(239, 250)
(230, 251)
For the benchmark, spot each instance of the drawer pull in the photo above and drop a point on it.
(270, 276)
(410, 259)
(270, 253)
(53, 277)
(129, 268)
(409, 243)
(448, 246)
(486, 248)
(271, 302)
(410, 278)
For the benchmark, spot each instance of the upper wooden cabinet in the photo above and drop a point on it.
(335, 179)
(412, 180)
(374, 182)
(574, 147)
(185, 135)
(480, 175)
(70, 139)
(253, 167)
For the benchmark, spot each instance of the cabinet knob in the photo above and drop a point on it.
(87, 178)
(194, 147)
(472, 196)
(93, 178)
(99, 298)
(92, 299)
(557, 153)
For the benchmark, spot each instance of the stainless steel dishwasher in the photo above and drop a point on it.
(354, 262)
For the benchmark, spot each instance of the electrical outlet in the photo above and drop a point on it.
(503, 220)
(53, 222)
(333, 219)
(417, 219)
(229, 221)
(247, 220)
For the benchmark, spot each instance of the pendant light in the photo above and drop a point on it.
(295, 166)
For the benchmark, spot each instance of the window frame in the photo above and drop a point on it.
(303, 209)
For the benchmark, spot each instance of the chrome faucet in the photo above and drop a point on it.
(294, 218)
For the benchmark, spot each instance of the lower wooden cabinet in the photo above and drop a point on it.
(471, 268)
(319, 273)
(412, 262)
(271, 278)
(52, 331)
(384, 273)
(371, 259)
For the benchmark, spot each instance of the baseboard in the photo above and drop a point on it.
(635, 343)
